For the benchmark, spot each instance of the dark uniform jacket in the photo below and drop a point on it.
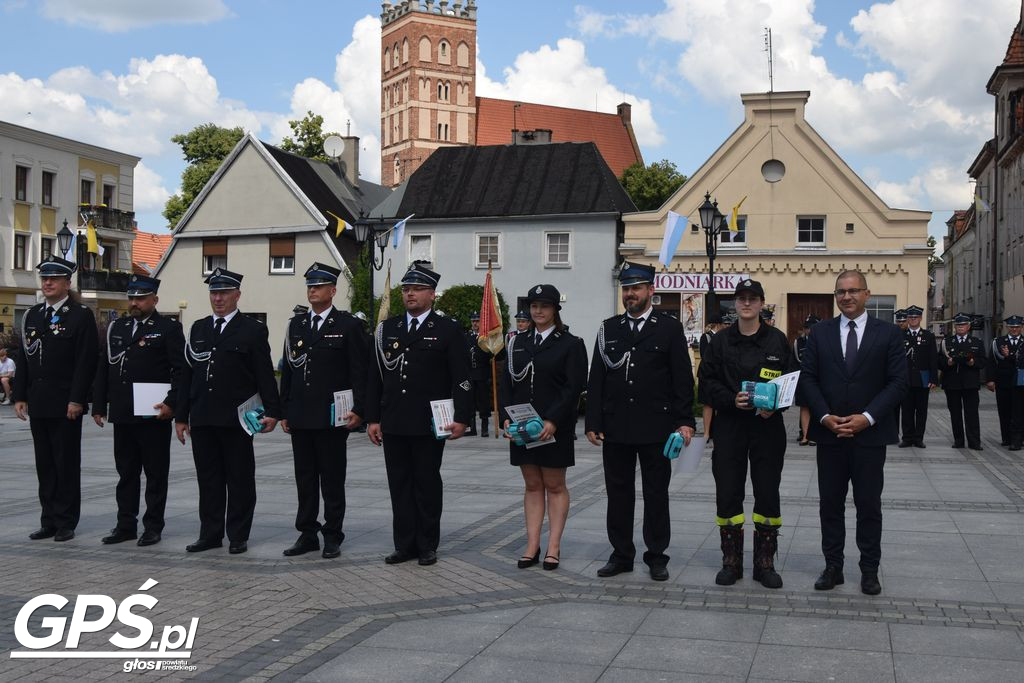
(922, 356)
(411, 370)
(650, 392)
(56, 362)
(317, 364)
(223, 371)
(1003, 367)
(734, 358)
(961, 375)
(552, 377)
(479, 360)
(155, 354)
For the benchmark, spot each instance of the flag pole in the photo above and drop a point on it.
(494, 396)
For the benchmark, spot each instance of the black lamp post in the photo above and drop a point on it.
(370, 231)
(713, 223)
(64, 237)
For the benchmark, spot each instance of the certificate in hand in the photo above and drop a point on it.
(443, 414)
(342, 406)
(145, 395)
(254, 402)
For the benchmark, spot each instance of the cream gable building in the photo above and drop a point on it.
(266, 214)
(797, 233)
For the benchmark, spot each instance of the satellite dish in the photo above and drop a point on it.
(773, 170)
(334, 146)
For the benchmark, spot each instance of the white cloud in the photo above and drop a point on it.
(149, 193)
(124, 15)
(562, 76)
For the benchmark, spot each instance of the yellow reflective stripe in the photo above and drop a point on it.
(736, 520)
(770, 521)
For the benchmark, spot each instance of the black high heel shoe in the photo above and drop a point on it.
(550, 565)
(525, 562)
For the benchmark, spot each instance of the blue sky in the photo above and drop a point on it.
(896, 87)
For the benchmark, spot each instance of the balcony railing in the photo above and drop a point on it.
(105, 217)
(103, 281)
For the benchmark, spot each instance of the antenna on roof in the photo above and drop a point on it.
(768, 49)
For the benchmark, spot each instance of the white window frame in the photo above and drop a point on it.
(735, 246)
(547, 252)
(108, 180)
(92, 198)
(410, 256)
(28, 182)
(882, 301)
(209, 268)
(476, 249)
(824, 232)
(284, 268)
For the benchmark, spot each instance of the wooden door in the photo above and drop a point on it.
(799, 306)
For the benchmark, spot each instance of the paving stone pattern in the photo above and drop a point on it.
(952, 607)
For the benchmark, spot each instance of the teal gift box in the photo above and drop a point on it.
(766, 396)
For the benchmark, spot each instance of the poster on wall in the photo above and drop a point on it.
(693, 317)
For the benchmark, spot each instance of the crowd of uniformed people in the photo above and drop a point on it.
(861, 379)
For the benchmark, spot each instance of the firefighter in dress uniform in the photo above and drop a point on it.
(962, 360)
(1007, 361)
(640, 391)
(420, 357)
(923, 371)
(142, 347)
(480, 371)
(799, 344)
(56, 365)
(326, 355)
(227, 362)
(749, 351)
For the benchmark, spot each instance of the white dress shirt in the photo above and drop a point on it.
(644, 317)
(844, 330)
(420, 318)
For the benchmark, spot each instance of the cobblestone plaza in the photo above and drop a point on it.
(952, 606)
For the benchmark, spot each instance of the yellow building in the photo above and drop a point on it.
(46, 180)
(805, 217)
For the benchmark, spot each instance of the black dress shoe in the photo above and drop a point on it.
(1014, 447)
(398, 557)
(1004, 442)
(976, 447)
(958, 444)
(332, 549)
(237, 547)
(659, 573)
(64, 535)
(203, 544)
(869, 584)
(427, 558)
(906, 444)
(302, 546)
(44, 532)
(149, 538)
(119, 536)
(829, 579)
(614, 568)
(526, 562)
(919, 444)
(550, 566)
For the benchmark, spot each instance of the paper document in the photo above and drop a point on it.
(689, 458)
(523, 412)
(254, 402)
(145, 395)
(443, 414)
(787, 388)
(343, 402)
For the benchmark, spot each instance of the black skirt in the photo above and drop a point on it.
(559, 454)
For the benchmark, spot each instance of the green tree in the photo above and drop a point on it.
(204, 148)
(308, 138)
(461, 300)
(649, 186)
(933, 260)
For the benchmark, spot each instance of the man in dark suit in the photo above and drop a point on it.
(325, 356)
(962, 360)
(1007, 358)
(142, 347)
(228, 362)
(854, 373)
(55, 368)
(640, 391)
(420, 357)
(923, 376)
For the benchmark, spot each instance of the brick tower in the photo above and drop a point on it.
(428, 82)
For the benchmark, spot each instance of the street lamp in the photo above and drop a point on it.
(713, 222)
(369, 231)
(64, 237)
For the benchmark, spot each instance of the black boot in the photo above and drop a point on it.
(471, 427)
(766, 546)
(484, 422)
(732, 555)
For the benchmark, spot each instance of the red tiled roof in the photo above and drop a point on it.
(613, 137)
(1015, 50)
(147, 250)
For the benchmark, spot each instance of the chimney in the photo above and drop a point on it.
(625, 112)
(349, 160)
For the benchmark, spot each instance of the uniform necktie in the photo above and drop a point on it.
(538, 339)
(316, 323)
(48, 313)
(851, 346)
(218, 325)
(413, 325)
(635, 322)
